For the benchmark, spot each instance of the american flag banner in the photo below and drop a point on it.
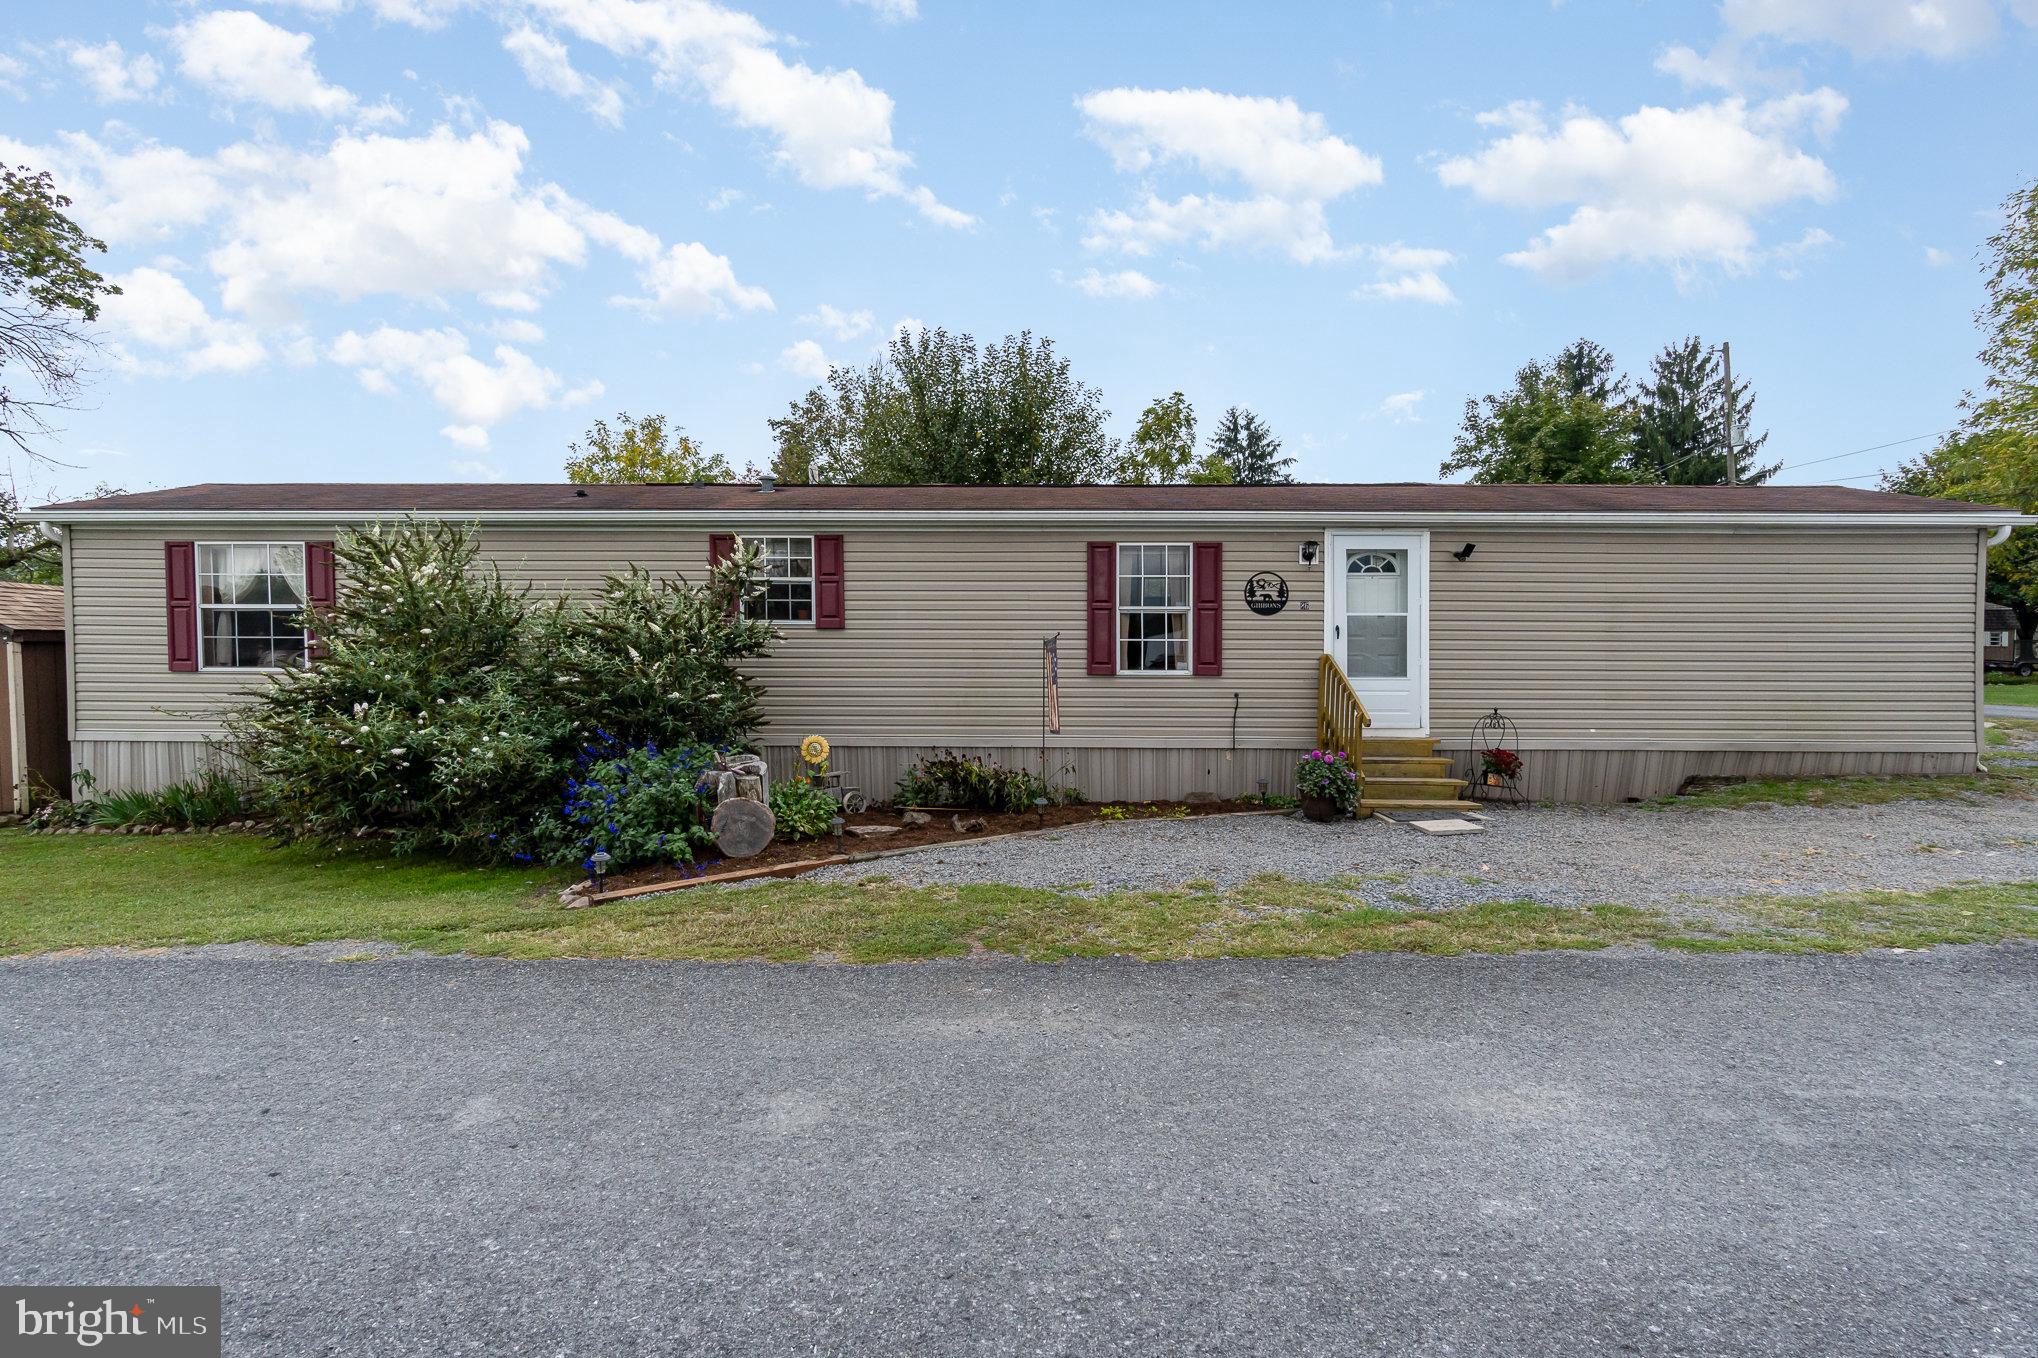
(1051, 676)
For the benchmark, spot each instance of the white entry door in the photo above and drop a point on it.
(1378, 624)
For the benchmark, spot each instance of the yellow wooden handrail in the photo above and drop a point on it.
(1341, 719)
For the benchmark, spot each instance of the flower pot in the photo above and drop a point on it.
(1493, 780)
(1319, 808)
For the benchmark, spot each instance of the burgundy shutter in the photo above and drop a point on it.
(321, 586)
(828, 580)
(1206, 587)
(721, 546)
(1103, 606)
(180, 604)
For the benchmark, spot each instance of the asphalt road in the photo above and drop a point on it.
(1569, 1154)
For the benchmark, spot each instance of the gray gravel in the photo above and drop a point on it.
(1628, 855)
(1578, 1155)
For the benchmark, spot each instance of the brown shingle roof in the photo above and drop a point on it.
(1389, 498)
(31, 608)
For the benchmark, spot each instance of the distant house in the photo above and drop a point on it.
(1636, 635)
(35, 754)
(2000, 643)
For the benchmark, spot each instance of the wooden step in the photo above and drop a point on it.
(1395, 766)
(1418, 789)
(1400, 747)
(1413, 804)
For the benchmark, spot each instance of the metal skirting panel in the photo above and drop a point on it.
(1624, 775)
(125, 765)
(1099, 774)
(1127, 774)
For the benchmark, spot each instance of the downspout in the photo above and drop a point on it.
(2000, 536)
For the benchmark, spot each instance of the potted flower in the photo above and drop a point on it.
(1500, 766)
(1327, 785)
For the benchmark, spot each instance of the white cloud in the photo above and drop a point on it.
(1937, 258)
(1401, 408)
(805, 358)
(470, 436)
(1408, 273)
(688, 279)
(1871, 28)
(891, 11)
(546, 64)
(434, 216)
(830, 129)
(843, 325)
(156, 313)
(111, 74)
(244, 57)
(475, 392)
(908, 325)
(146, 192)
(517, 330)
(1124, 285)
(724, 199)
(1684, 187)
(1286, 158)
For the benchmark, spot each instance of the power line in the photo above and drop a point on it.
(1793, 466)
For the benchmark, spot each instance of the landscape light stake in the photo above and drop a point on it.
(1040, 812)
(598, 865)
(835, 824)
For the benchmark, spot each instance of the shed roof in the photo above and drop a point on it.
(357, 498)
(31, 608)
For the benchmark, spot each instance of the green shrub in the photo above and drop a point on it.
(801, 809)
(451, 706)
(1329, 776)
(971, 782)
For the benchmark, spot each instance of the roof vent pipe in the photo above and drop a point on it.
(766, 484)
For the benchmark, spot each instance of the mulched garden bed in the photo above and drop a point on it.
(786, 853)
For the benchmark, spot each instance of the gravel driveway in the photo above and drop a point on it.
(1628, 855)
(1618, 1154)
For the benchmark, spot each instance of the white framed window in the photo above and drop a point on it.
(785, 579)
(1153, 607)
(250, 605)
(1998, 638)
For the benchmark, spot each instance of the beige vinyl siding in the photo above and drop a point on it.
(1841, 639)
(1754, 640)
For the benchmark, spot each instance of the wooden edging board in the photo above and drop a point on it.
(867, 856)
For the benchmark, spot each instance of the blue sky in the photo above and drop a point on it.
(434, 239)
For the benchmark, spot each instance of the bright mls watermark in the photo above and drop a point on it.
(161, 1322)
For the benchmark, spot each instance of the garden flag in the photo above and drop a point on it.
(1051, 653)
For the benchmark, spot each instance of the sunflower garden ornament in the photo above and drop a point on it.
(814, 749)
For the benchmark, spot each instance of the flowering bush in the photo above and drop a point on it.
(451, 706)
(801, 809)
(1503, 762)
(1329, 776)
(641, 803)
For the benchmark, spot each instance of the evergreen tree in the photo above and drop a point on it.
(1585, 368)
(1681, 421)
(1244, 444)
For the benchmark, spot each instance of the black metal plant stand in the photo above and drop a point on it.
(1494, 732)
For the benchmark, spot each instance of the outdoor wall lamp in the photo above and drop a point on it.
(1464, 553)
(598, 866)
(1307, 553)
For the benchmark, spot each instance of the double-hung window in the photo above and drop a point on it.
(785, 580)
(250, 605)
(1153, 608)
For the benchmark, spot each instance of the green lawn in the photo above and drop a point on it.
(59, 892)
(2012, 691)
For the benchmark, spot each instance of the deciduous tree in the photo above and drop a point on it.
(48, 292)
(642, 451)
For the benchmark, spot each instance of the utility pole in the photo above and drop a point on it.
(1733, 458)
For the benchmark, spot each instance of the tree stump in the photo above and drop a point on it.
(743, 828)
